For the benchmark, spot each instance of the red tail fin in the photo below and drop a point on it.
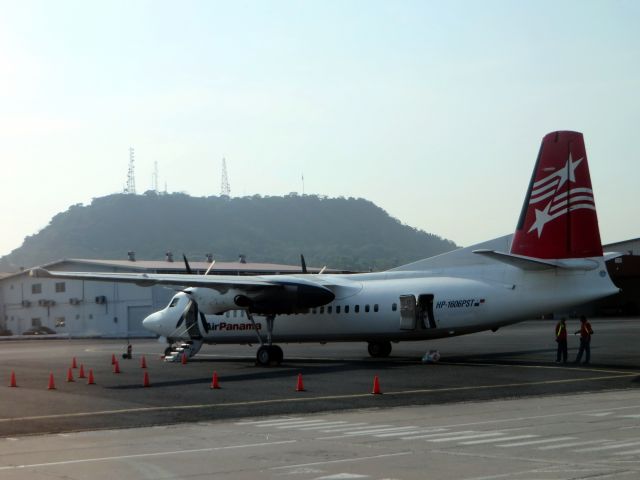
(558, 218)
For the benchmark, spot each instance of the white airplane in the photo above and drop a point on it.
(553, 261)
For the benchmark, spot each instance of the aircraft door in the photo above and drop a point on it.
(416, 314)
(407, 312)
(191, 321)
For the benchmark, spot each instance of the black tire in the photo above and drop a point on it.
(264, 355)
(379, 349)
(278, 354)
(167, 351)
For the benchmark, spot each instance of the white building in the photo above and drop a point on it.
(105, 309)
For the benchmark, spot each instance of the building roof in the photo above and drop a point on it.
(164, 266)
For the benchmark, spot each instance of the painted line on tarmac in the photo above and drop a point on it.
(344, 460)
(569, 366)
(311, 399)
(143, 455)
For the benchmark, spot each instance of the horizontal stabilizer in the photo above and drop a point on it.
(530, 263)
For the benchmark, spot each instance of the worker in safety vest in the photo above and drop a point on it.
(561, 339)
(585, 340)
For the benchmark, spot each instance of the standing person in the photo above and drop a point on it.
(585, 340)
(561, 339)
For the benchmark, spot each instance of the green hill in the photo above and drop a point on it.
(346, 233)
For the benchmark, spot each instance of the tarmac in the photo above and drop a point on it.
(515, 362)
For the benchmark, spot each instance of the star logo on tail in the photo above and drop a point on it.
(560, 202)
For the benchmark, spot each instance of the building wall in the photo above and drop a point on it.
(79, 308)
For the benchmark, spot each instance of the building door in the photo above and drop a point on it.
(135, 315)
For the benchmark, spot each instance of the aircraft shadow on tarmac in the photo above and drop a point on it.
(322, 366)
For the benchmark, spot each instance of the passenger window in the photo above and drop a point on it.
(375, 307)
(235, 313)
(366, 308)
(329, 308)
(321, 309)
(394, 307)
(337, 308)
(357, 308)
(227, 313)
(313, 310)
(346, 309)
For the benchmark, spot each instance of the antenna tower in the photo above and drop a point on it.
(154, 177)
(131, 179)
(225, 190)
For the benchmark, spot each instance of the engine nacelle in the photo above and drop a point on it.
(212, 302)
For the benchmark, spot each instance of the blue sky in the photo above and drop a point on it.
(432, 110)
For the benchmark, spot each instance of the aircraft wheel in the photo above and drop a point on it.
(168, 350)
(268, 354)
(379, 349)
(264, 356)
(278, 354)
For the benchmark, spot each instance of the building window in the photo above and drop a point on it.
(60, 287)
(394, 307)
(36, 288)
(36, 322)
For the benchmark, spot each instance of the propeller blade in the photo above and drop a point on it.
(186, 264)
(210, 267)
(322, 270)
(304, 264)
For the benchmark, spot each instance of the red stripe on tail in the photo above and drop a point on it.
(558, 218)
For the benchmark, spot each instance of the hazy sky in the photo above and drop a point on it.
(433, 110)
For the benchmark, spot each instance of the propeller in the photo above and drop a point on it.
(304, 266)
(186, 264)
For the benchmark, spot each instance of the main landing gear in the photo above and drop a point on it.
(379, 349)
(268, 354)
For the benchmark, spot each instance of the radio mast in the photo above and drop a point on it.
(225, 189)
(131, 178)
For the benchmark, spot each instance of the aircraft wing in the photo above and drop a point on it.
(149, 279)
(271, 293)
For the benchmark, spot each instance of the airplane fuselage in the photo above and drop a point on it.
(397, 306)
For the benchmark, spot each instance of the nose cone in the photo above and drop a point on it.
(151, 322)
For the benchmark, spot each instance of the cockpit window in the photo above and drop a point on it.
(174, 301)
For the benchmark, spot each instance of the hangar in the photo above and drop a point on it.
(103, 309)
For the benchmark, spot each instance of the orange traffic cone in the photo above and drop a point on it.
(183, 360)
(116, 367)
(81, 372)
(52, 383)
(214, 381)
(12, 380)
(143, 362)
(376, 386)
(113, 359)
(91, 381)
(70, 375)
(299, 385)
(74, 364)
(145, 379)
